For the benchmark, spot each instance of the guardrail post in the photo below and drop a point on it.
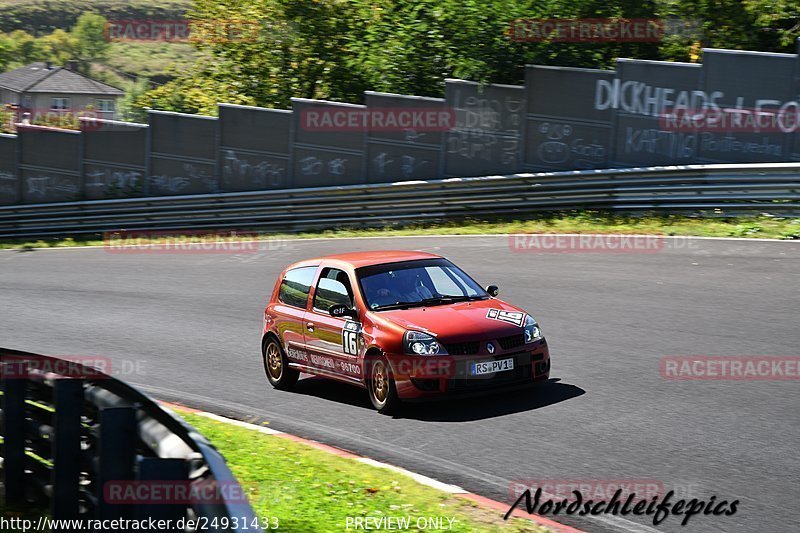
(13, 434)
(68, 395)
(174, 471)
(118, 439)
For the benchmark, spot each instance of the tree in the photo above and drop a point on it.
(199, 94)
(337, 49)
(89, 31)
(7, 49)
(60, 46)
(27, 48)
(127, 105)
(777, 22)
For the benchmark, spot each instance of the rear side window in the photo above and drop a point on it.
(296, 285)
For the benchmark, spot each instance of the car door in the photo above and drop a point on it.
(334, 342)
(290, 312)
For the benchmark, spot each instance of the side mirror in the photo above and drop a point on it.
(492, 290)
(341, 311)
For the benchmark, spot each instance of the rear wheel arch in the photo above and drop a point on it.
(267, 336)
(276, 365)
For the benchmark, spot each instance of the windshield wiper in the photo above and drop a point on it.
(427, 301)
(462, 298)
(398, 305)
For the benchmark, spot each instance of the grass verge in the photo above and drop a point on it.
(312, 490)
(762, 227)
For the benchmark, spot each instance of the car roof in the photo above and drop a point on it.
(362, 259)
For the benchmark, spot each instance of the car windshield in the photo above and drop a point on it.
(416, 283)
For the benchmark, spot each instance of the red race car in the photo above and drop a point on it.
(403, 325)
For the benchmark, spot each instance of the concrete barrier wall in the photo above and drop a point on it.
(183, 154)
(254, 148)
(642, 113)
(114, 160)
(49, 167)
(488, 133)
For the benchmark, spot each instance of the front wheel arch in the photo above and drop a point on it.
(372, 353)
(390, 402)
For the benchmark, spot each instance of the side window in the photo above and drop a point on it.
(296, 285)
(333, 288)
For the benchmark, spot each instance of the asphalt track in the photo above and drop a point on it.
(193, 322)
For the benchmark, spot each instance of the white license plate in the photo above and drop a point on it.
(490, 367)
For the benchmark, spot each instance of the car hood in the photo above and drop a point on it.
(458, 321)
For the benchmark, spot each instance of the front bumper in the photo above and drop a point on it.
(420, 377)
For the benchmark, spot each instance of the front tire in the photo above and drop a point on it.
(381, 387)
(276, 366)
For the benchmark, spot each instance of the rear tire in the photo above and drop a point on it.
(276, 366)
(381, 386)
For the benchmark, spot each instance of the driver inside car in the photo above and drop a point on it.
(406, 286)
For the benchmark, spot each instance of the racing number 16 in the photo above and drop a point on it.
(350, 338)
(350, 342)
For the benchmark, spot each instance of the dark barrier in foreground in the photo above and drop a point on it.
(735, 107)
(9, 182)
(88, 446)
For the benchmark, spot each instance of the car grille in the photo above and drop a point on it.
(514, 341)
(463, 348)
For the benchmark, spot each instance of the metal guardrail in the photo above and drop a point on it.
(69, 429)
(731, 189)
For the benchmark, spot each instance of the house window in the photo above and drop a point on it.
(59, 103)
(105, 106)
(26, 102)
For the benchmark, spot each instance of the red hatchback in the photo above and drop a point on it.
(403, 325)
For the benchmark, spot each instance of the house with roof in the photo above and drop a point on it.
(42, 87)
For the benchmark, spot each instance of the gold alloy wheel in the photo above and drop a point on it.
(380, 382)
(274, 363)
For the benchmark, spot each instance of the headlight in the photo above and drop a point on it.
(532, 331)
(419, 343)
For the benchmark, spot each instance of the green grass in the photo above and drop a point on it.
(312, 490)
(152, 60)
(763, 227)
(43, 16)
